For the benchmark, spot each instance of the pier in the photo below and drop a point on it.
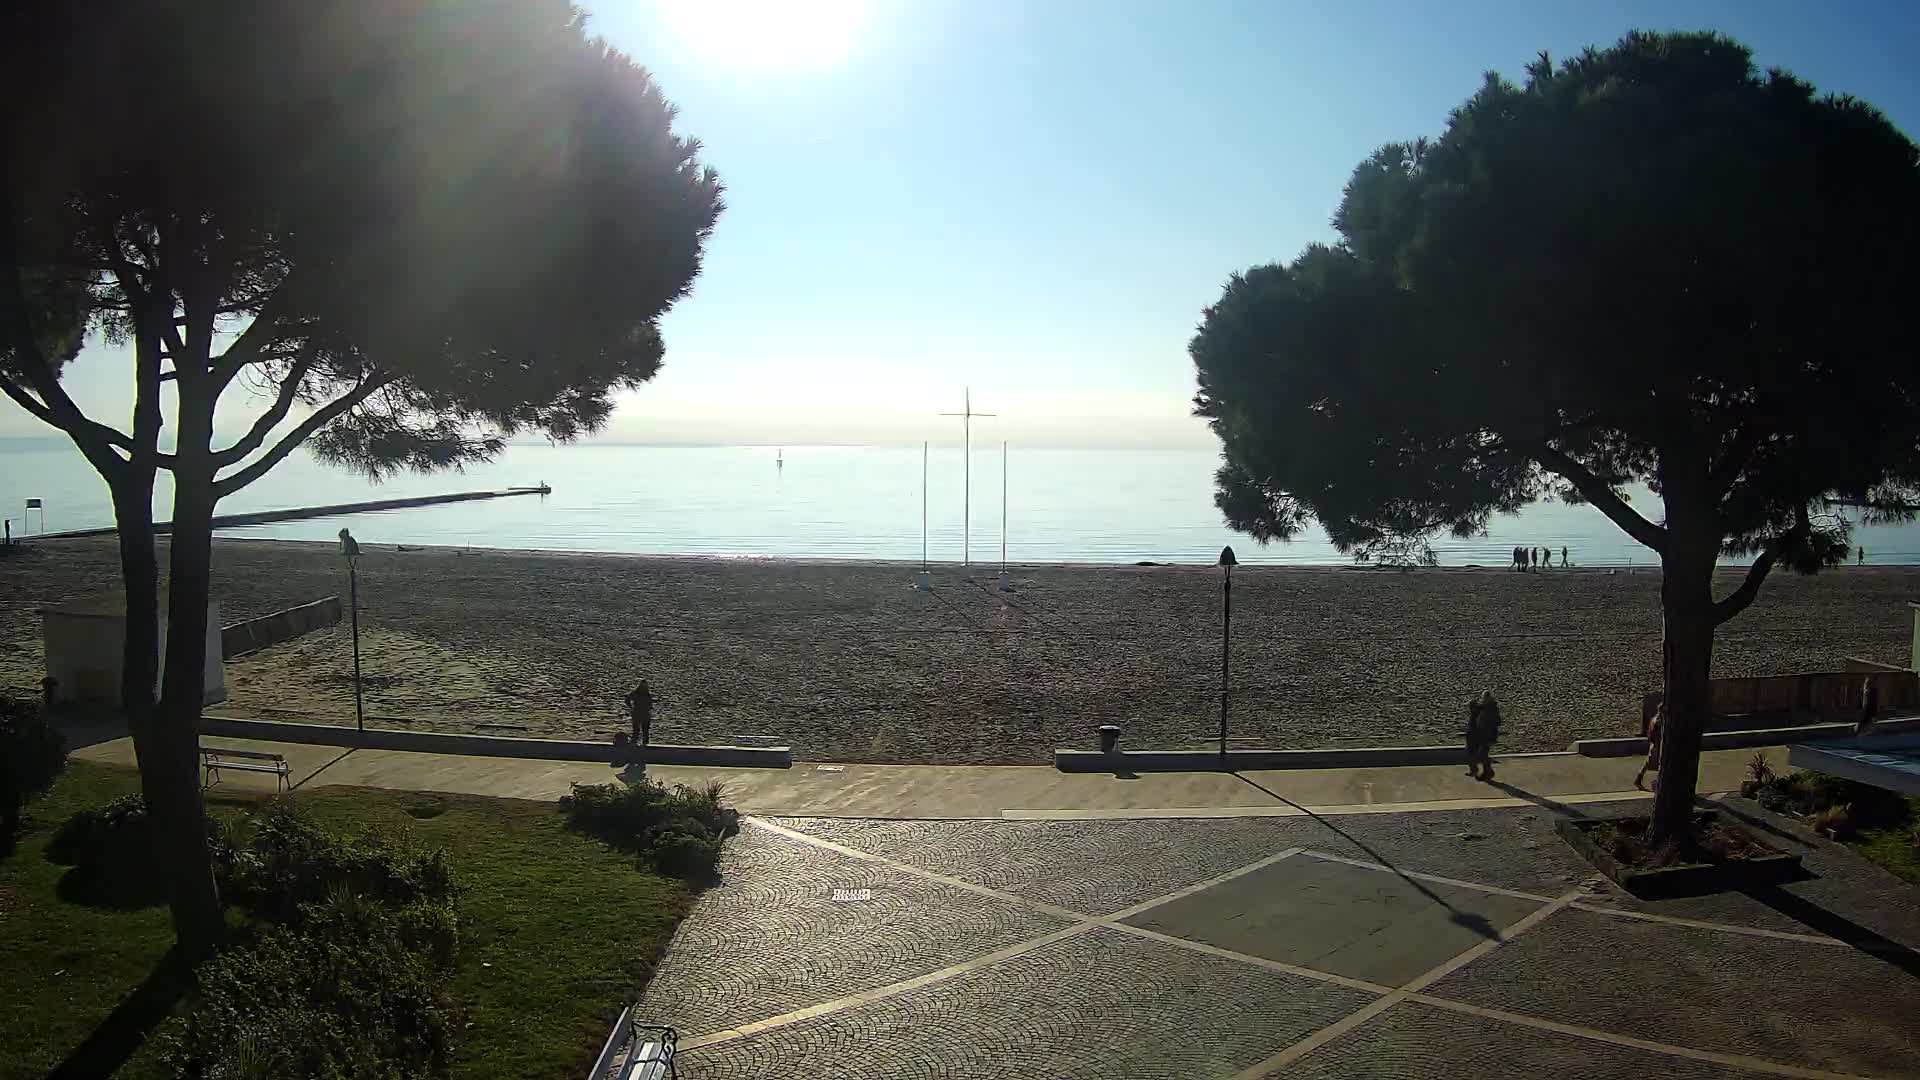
(262, 517)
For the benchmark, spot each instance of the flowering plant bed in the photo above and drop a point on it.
(1716, 855)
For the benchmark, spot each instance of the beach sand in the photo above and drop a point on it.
(848, 662)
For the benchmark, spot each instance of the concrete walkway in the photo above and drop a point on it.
(986, 791)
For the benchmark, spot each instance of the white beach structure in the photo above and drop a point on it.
(83, 644)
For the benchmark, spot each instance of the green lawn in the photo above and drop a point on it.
(1893, 846)
(556, 930)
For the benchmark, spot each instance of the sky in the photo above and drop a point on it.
(1036, 199)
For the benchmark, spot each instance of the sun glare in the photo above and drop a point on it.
(764, 33)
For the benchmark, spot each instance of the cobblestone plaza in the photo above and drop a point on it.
(1464, 943)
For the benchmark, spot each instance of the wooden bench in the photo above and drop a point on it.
(213, 759)
(647, 1049)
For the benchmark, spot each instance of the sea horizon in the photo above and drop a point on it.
(858, 503)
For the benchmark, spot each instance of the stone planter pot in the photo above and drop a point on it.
(1685, 879)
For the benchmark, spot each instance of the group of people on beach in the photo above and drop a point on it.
(1530, 558)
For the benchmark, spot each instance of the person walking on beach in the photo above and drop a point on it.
(1483, 727)
(1564, 562)
(1869, 705)
(640, 713)
(1652, 764)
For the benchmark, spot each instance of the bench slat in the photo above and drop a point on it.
(648, 1062)
(260, 755)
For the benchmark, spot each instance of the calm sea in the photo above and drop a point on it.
(830, 502)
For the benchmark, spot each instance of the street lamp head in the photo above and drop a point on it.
(1227, 560)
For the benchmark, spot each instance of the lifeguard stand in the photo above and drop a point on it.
(26, 516)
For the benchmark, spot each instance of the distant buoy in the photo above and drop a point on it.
(780, 458)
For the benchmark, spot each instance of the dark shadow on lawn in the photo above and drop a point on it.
(116, 888)
(126, 1027)
(1476, 923)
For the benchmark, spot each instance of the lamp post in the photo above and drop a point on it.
(351, 549)
(1227, 563)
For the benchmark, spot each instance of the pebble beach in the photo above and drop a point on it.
(850, 662)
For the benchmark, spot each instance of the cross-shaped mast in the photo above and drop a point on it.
(966, 500)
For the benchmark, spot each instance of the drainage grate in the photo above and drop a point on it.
(852, 896)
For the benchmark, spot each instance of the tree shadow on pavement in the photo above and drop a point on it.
(1479, 924)
(123, 1031)
(1838, 927)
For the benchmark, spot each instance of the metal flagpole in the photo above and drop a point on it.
(966, 499)
(1004, 583)
(926, 578)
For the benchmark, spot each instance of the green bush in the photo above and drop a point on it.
(32, 753)
(352, 990)
(687, 855)
(291, 861)
(1811, 794)
(349, 980)
(121, 834)
(677, 830)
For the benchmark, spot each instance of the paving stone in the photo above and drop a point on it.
(1095, 867)
(1364, 924)
(1414, 1040)
(1517, 847)
(771, 938)
(1817, 1006)
(1098, 1005)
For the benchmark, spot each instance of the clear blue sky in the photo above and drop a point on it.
(1037, 197)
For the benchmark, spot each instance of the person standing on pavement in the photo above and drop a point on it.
(1483, 727)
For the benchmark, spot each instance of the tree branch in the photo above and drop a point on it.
(56, 407)
(27, 401)
(321, 418)
(262, 427)
(1740, 451)
(94, 439)
(1601, 494)
(246, 348)
(1742, 598)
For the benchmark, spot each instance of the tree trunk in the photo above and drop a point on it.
(1686, 652)
(140, 575)
(181, 829)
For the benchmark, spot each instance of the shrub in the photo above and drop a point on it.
(32, 754)
(1834, 821)
(686, 855)
(352, 979)
(291, 861)
(121, 833)
(350, 991)
(1810, 794)
(117, 832)
(677, 830)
